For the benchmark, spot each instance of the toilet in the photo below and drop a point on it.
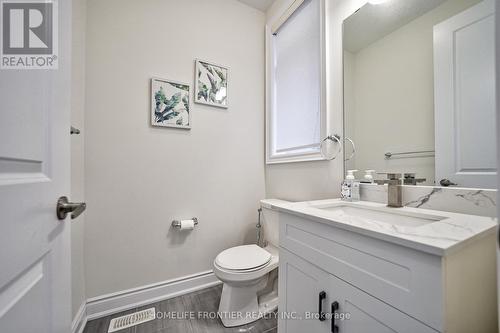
(250, 276)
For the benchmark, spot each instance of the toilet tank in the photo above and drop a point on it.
(270, 221)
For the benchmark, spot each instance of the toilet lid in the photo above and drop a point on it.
(243, 257)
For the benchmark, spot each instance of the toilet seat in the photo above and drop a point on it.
(243, 258)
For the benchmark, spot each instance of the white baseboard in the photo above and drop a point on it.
(80, 319)
(105, 305)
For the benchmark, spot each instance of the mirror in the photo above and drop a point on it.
(419, 91)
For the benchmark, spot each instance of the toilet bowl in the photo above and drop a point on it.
(250, 276)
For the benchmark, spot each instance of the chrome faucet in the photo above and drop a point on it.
(394, 189)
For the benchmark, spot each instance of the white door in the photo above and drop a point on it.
(35, 294)
(464, 83)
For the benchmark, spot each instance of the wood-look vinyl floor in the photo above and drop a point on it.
(199, 302)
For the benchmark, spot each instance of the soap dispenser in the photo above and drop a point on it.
(350, 187)
(368, 178)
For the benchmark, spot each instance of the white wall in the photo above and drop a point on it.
(393, 96)
(77, 151)
(140, 178)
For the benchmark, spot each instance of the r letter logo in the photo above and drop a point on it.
(29, 34)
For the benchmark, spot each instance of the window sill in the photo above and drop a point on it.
(294, 159)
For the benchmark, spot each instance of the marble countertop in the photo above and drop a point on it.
(450, 231)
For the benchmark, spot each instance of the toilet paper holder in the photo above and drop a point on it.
(177, 223)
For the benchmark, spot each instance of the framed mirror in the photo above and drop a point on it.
(419, 91)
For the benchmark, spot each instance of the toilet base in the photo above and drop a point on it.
(242, 304)
(268, 303)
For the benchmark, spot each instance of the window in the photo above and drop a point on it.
(295, 113)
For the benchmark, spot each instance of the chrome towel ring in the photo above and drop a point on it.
(353, 148)
(333, 138)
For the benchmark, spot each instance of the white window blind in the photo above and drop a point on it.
(296, 114)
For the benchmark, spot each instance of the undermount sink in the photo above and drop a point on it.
(353, 213)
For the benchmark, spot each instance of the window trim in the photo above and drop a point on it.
(272, 26)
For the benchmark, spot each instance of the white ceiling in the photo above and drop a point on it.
(372, 22)
(262, 5)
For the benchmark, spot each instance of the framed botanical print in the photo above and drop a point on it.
(211, 84)
(170, 104)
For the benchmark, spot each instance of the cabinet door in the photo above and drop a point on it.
(364, 313)
(300, 285)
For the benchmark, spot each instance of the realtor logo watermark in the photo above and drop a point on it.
(29, 34)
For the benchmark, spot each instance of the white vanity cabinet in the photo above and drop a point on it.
(305, 287)
(379, 285)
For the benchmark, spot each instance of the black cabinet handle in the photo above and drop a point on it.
(322, 296)
(335, 307)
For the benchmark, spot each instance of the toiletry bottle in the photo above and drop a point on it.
(368, 178)
(355, 185)
(347, 187)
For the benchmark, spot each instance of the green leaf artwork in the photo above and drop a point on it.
(170, 104)
(211, 84)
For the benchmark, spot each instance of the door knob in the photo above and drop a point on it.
(64, 207)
